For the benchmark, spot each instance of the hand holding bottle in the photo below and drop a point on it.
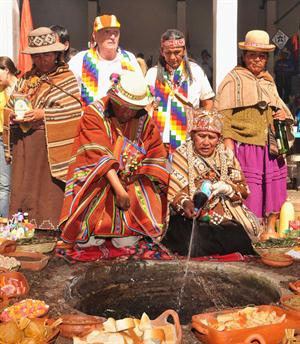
(279, 114)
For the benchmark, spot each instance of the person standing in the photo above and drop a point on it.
(177, 81)
(40, 141)
(249, 100)
(8, 79)
(94, 67)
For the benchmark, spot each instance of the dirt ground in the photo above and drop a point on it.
(49, 285)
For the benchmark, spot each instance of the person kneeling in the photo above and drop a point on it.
(117, 181)
(204, 166)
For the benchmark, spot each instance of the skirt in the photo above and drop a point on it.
(208, 239)
(266, 177)
(33, 189)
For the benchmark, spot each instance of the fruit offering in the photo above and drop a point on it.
(27, 308)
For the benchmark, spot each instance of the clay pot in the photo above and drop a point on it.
(261, 334)
(285, 301)
(33, 261)
(277, 260)
(163, 320)
(295, 286)
(7, 246)
(79, 325)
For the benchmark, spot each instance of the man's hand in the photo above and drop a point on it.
(31, 116)
(122, 200)
(280, 114)
(189, 209)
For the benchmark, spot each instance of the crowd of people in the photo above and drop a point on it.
(101, 148)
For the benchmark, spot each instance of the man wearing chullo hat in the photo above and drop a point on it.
(93, 67)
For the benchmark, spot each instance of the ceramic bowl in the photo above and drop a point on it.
(33, 261)
(277, 260)
(295, 286)
(291, 302)
(79, 325)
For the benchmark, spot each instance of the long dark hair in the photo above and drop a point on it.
(63, 36)
(6, 62)
(166, 36)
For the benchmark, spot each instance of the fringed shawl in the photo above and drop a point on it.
(59, 96)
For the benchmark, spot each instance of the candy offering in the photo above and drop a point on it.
(26, 308)
(17, 227)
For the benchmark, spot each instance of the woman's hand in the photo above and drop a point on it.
(221, 188)
(189, 209)
(280, 114)
(122, 200)
(33, 115)
(229, 143)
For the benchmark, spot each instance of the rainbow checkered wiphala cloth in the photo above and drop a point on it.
(178, 120)
(90, 74)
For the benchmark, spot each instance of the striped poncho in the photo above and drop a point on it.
(136, 152)
(58, 94)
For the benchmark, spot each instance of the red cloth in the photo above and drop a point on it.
(143, 250)
(25, 62)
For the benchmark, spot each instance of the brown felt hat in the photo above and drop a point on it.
(43, 40)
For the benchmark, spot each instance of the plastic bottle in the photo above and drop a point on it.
(287, 214)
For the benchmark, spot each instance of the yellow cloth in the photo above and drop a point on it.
(3, 100)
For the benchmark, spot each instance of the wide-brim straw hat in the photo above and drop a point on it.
(43, 40)
(257, 40)
(106, 21)
(130, 89)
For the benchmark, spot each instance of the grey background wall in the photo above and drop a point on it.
(143, 21)
(73, 14)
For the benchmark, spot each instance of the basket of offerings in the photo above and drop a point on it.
(276, 245)
(262, 324)
(130, 330)
(27, 308)
(37, 244)
(29, 331)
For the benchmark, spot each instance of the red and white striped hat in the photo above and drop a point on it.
(105, 21)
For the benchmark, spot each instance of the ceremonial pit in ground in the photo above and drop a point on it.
(121, 288)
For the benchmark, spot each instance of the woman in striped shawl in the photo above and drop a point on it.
(41, 131)
(205, 181)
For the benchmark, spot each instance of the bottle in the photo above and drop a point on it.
(287, 214)
(202, 194)
(281, 137)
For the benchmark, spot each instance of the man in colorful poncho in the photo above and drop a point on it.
(93, 67)
(117, 178)
(177, 82)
